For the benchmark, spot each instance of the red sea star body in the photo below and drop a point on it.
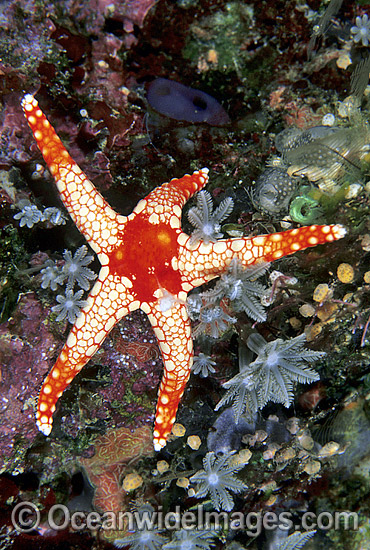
(148, 263)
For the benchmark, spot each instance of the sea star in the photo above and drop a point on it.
(148, 263)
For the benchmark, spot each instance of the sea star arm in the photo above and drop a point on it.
(107, 303)
(172, 329)
(207, 261)
(96, 220)
(164, 204)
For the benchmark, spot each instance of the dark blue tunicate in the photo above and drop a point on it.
(276, 430)
(180, 102)
(226, 434)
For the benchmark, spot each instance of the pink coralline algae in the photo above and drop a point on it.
(132, 354)
(29, 343)
(26, 344)
(94, 14)
(126, 387)
(15, 144)
(133, 12)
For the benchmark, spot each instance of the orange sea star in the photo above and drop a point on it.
(148, 263)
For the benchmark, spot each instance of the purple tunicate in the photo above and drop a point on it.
(180, 102)
(227, 434)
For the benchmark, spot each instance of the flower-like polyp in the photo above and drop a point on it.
(145, 258)
(361, 31)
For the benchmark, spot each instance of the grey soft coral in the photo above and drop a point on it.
(239, 285)
(217, 480)
(271, 376)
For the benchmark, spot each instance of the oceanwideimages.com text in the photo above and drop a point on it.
(26, 517)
